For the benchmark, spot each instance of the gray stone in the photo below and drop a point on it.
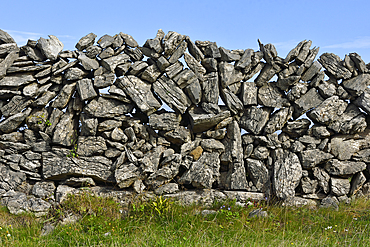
(126, 175)
(92, 51)
(90, 145)
(12, 123)
(210, 88)
(304, 51)
(258, 173)
(339, 186)
(254, 119)
(129, 40)
(344, 149)
(150, 161)
(5, 38)
(260, 153)
(17, 80)
(249, 93)
(287, 173)
(285, 83)
(86, 41)
(168, 170)
(194, 92)
(104, 80)
(344, 168)
(363, 102)
(33, 53)
(322, 177)
(306, 102)
(297, 128)
(333, 64)
(266, 74)
(258, 213)
(169, 92)
(359, 63)
(204, 172)
(66, 130)
(185, 78)
(309, 186)
(88, 63)
(357, 85)
(228, 56)
(311, 72)
(278, 119)
(86, 89)
(44, 190)
(107, 108)
(210, 64)
(10, 180)
(12, 137)
(108, 125)
(111, 63)
(194, 50)
(75, 74)
(7, 63)
(171, 41)
(64, 96)
(212, 145)
(269, 95)
(169, 188)
(232, 101)
(156, 43)
(174, 69)
(329, 110)
(330, 202)
(140, 92)
(313, 157)
(105, 41)
(245, 61)
(200, 121)
(15, 105)
(351, 121)
(178, 136)
(8, 48)
(216, 134)
(50, 48)
(151, 73)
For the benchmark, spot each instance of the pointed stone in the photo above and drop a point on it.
(86, 89)
(86, 41)
(11, 124)
(50, 47)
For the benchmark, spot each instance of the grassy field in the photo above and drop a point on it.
(165, 223)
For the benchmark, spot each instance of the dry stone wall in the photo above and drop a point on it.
(93, 117)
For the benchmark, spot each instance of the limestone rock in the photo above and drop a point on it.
(258, 173)
(126, 175)
(65, 131)
(286, 174)
(357, 85)
(339, 186)
(90, 145)
(86, 41)
(278, 119)
(140, 92)
(329, 110)
(107, 108)
(169, 92)
(12, 123)
(64, 96)
(322, 177)
(200, 121)
(269, 95)
(333, 64)
(344, 168)
(254, 119)
(50, 48)
(204, 172)
(313, 157)
(210, 88)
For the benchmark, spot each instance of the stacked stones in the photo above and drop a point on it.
(94, 117)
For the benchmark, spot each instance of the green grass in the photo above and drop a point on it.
(165, 223)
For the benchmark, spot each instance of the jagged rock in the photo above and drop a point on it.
(90, 145)
(165, 121)
(218, 134)
(344, 149)
(357, 85)
(350, 122)
(105, 41)
(169, 168)
(15, 105)
(103, 81)
(10, 180)
(150, 161)
(287, 173)
(129, 40)
(196, 153)
(278, 119)
(344, 168)
(212, 145)
(170, 93)
(151, 73)
(311, 72)
(363, 102)
(245, 61)
(107, 108)
(7, 63)
(284, 83)
(5, 38)
(50, 48)
(178, 136)
(16, 80)
(330, 201)
(313, 157)
(258, 173)
(194, 50)
(227, 74)
(140, 92)
(195, 66)
(309, 186)
(78, 182)
(86, 41)
(86, 89)
(210, 88)
(12, 137)
(88, 63)
(185, 78)
(178, 53)
(66, 130)
(228, 56)
(249, 93)
(357, 181)
(18, 203)
(339, 186)
(331, 109)
(169, 188)
(194, 92)
(171, 41)
(10, 124)
(200, 121)
(266, 74)
(254, 119)
(232, 101)
(126, 175)
(44, 190)
(56, 167)
(64, 96)
(333, 64)
(297, 128)
(204, 172)
(322, 177)
(156, 43)
(111, 63)
(269, 95)
(306, 102)
(260, 153)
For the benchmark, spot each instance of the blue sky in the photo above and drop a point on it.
(340, 27)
